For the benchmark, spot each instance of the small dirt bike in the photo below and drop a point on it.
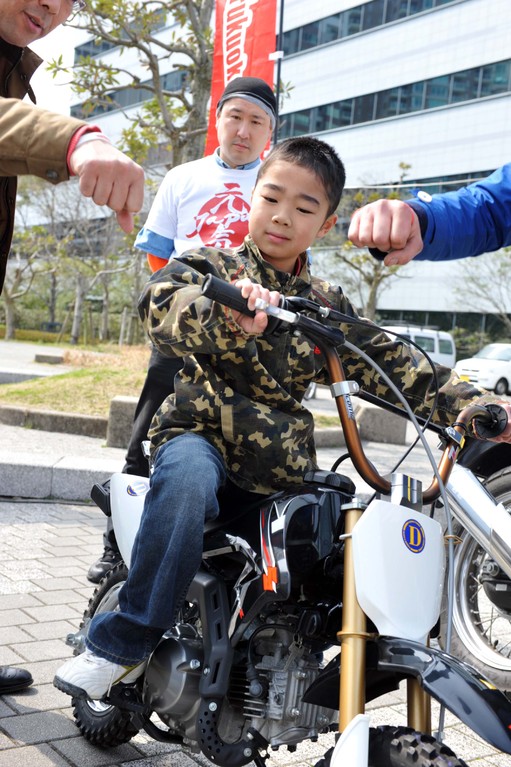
(287, 583)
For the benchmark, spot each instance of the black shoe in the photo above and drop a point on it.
(14, 679)
(105, 563)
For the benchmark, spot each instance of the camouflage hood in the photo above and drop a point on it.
(244, 393)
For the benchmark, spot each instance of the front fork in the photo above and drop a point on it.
(353, 637)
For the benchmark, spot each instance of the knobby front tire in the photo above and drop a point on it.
(404, 747)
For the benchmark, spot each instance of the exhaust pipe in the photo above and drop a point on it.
(487, 521)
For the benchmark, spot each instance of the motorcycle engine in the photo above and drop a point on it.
(269, 694)
(266, 695)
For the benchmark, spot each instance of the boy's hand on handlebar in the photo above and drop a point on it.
(389, 225)
(252, 291)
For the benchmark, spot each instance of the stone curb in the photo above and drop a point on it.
(36, 476)
(51, 420)
(374, 424)
(112, 429)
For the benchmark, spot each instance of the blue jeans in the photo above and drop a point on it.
(188, 472)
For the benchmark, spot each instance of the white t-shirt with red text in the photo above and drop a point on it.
(199, 204)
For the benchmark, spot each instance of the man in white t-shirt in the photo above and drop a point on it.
(203, 203)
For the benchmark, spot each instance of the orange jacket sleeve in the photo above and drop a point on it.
(155, 262)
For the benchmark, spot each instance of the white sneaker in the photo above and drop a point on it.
(89, 676)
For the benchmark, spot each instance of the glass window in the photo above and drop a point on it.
(351, 22)
(414, 97)
(322, 118)
(445, 346)
(396, 9)
(411, 98)
(495, 79)
(285, 126)
(291, 41)
(373, 14)
(387, 103)
(329, 29)
(309, 36)
(92, 48)
(417, 6)
(425, 342)
(465, 85)
(437, 92)
(342, 113)
(301, 122)
(364, 108)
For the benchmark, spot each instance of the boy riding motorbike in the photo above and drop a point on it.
(241, 386)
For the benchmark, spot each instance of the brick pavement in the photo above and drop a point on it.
(45, 550)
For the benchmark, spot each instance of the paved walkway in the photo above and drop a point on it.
(45, 551)
(46, 548)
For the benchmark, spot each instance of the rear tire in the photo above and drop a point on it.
(402, 747)
(101, 724)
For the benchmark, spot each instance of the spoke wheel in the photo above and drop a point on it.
(102, 724)
(481, 633)
(402, 746)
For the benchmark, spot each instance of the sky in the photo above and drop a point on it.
(52, 93)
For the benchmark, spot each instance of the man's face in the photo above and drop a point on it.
(23, 21)
(243, 130)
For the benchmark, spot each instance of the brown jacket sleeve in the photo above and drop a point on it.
(34, 141)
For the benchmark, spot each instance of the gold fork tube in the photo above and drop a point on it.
(352, 636)
(418, 707)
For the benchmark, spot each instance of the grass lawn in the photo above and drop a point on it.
(99, 376)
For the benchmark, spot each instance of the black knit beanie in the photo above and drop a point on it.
(251, 89)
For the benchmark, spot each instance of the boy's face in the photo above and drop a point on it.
(243, 130)
(289, 211)
(23, 21)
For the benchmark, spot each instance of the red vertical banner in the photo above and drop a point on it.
(245, 38)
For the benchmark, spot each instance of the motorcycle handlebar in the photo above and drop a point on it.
(491, 419)
(225, 293)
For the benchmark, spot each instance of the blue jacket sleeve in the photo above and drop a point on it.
(469, 222)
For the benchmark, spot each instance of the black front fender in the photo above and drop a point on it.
(454, 684)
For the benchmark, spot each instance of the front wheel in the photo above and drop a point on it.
(102, 724)
(402, 747)
(481, 629)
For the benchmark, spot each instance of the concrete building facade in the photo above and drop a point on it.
(421, 82)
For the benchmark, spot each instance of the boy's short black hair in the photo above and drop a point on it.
(317, 156)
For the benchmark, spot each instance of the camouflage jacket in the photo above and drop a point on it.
(243, 393)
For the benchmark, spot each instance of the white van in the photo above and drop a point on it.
(438, 344)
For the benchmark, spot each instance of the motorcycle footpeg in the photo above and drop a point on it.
(127, 697)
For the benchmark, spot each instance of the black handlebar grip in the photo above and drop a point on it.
(225, 293)
(495, 425)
